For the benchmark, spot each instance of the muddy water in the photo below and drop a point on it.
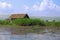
(48, 35)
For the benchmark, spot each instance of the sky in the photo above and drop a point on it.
(31, 7)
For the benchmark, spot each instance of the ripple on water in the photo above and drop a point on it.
(47, 36)
(31, 36)
(35, 37)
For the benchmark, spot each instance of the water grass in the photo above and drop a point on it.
(30, 22)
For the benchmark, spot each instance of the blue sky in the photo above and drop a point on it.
(31, 7)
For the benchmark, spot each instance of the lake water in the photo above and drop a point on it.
(30, 36)
(6, 35)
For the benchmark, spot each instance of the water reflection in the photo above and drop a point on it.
(6, 35)
(47, 36)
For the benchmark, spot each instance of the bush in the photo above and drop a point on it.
(4, 22)
(57, 23)
(28, 22)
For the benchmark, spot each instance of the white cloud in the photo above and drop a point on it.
(35, 7)
(26, 7)
(44, 5)
(47, 4)
(9, 5)
(5, 5)
(44, 8)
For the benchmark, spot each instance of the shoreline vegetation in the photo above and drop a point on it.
(29, 22)
(20, 26)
